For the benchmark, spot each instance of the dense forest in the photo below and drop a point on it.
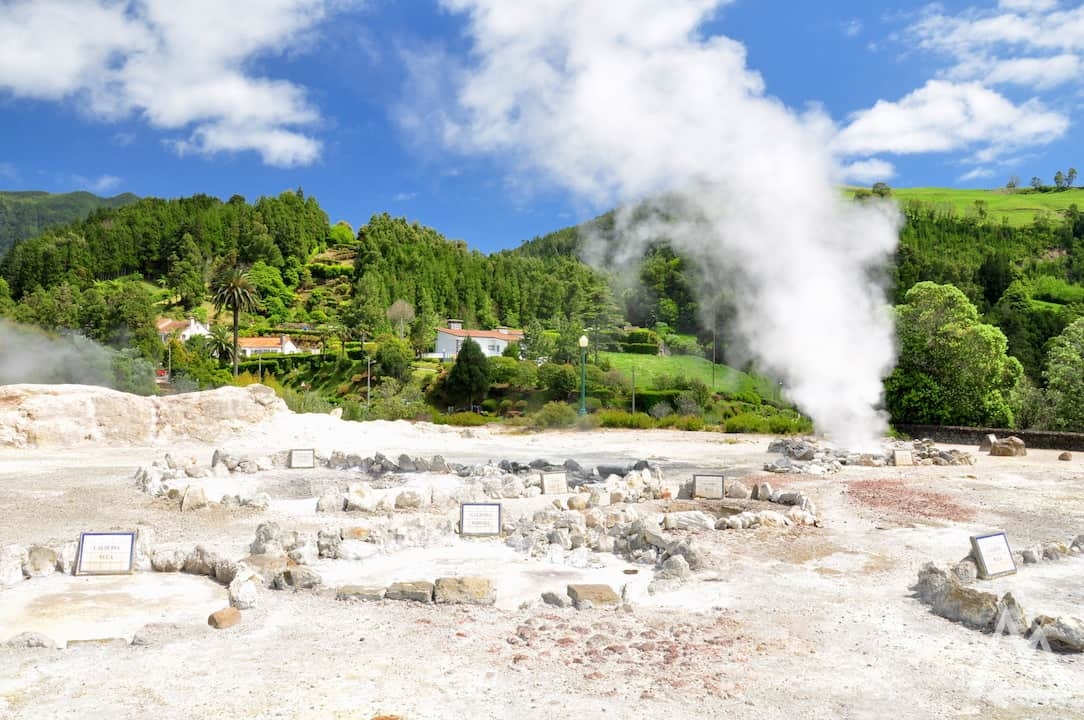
(1016, 292)
(26, 214)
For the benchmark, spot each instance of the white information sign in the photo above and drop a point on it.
(709, 487)
(105, 553)
(302, 458)
(480, 519)
(993, 555)
(554, 483)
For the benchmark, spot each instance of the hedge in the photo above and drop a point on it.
(640, 348)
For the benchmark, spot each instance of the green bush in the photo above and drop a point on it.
(625, 419)
(642, 337)
(593, 404)
(554, 414)
(321, 271)
(640, 348)
(747, 423)
(490, 405)
(691, 423)
(465, 419)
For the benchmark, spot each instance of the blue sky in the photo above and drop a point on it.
(497, 121)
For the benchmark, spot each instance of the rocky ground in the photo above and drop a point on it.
(775, 622)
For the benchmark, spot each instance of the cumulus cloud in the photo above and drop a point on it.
(943, 116)
(675, 128)
(978, 173)
(100, 184)
(182, 67)
(869, 171)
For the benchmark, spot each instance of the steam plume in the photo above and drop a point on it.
(625, 101)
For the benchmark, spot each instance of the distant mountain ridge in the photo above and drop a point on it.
(26, 213)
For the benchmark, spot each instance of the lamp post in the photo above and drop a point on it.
(583, 374)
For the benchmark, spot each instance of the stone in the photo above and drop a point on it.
(417, 591)
(947, 597)
(408, 499)
(332, 501)
(966, 571)
(362, 593)
(224, 618)
(987, 442)
(689, 520)
(297, 578)
(594, 594)
(168, 560)
(1009, 447)
(244, 589)
(578, 501)
(66, 557)
(40, 561)
(31, 640)
(268, 540)
(1065, 456)
(557, 600)
(789, 498)
(675, 567)
(902, 458)
(194, 498)
(267, 566)
(1063, 632)
(1078, 543)
(355, 550)
(327, 542)
(259, 501)
(1054, 550)
(467, 590)
(1031, 556)
(1009, 609)
(762, 491)
(406, 464)
(770, 518)
(200, 561)
(737, 491)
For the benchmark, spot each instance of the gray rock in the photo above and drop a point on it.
(168, 560)
(327, 543)
(557, 600)
(259, 501)
(268, 540)
(31, 640)
(1063, 632)
(194, 498)
(248, 466)
(1054, 550)
(674, 567)
(966, 571)
(201, 561)
(737, 491)
(408, 499)
(689, 520)
(40, 561)
(789, 498)
(1009, 609)
(406, 463)
(363, 593)
(464, 591)
(587, 596)
(244, 589)
(947, 597)
(417, 591)
(332, 501)
(297, 578)
(987, 442)
(438, 465)
(1031, 556)
(763, 491)
(1065, 456)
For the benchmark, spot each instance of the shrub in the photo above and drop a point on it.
(465, 419)
(661, 409)
(554, 414)
(746, 423)
(687, 405)
(640, 348)
(642, 336)
(593, 404)
(625, 419)
(490, 405)
(690, 423)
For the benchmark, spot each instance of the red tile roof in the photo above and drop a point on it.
(510, 335)
(260, 342)
(166, 325)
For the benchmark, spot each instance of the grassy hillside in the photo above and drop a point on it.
(648, 367)
(24, 214)
(1019, 207)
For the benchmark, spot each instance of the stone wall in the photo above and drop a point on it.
(973, 436)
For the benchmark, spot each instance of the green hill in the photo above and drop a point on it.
(25, 214)
(1017, 207)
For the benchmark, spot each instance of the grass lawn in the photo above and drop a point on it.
(727, 379)
(1018, 208)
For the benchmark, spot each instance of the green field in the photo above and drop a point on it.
(1018, 207)
(727, 379)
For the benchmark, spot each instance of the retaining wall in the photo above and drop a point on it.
(1047, 439)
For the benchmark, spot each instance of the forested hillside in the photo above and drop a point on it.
(27, 213)
(1016, 290)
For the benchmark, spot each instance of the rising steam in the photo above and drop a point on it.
(626, 103)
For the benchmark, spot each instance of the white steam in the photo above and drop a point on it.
(625, 101)
(29, 355)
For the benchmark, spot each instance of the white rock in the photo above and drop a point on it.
(356, 550)
(245, 589)
(12, 558)
(689, 520)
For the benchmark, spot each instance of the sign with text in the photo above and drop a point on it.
(105, 553)
(993, 555)
(302, 458)
(554, 483)
(480, 519)
(709, 487)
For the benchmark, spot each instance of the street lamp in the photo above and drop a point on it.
(583, 374)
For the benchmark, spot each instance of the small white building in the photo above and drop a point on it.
(280, 345)
(181, 329)
(492, 342)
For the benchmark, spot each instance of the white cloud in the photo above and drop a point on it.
(869, 171)
(976, 174)
(98, 185)
(183, 67)
(404, 196)
(852, 28)
(943, 116)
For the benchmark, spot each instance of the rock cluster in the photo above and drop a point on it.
(808, 457)
(1011, 446)
(465, 590)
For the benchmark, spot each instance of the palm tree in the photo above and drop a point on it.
(232, 289)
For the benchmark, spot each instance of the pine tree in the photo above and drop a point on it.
(469, 377)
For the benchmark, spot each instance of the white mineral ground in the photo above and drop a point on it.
(782, 623)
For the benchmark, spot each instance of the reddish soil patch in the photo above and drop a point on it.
(900, 499)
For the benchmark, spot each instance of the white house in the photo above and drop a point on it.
(492, 342)
(252, 346)
(182, 329)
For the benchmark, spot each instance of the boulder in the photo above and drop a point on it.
(762, 491)
(1009, 447)
(1064, 632)
(584, 596)
(966, 571)
(40, 561)
(674, 567)
(689, 520)
(194, 498)
(556, 599)
(947, 597)
(31, 640)
(737, 491)
(168, 560)
(224, 618)
(297, 578)
(987, 442)
(333, 501)
(244, 589)
(464, 591)
(363, 593)
(1009, 609)
(408, 499)
(1065, 456)
(268, 540)
(418, 591)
